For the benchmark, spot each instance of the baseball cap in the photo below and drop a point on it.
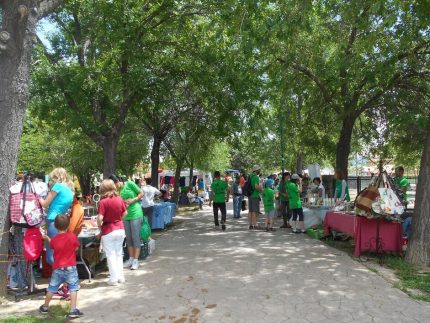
(255, 167)
(295, 176)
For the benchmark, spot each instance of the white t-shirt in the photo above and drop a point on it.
(149, 192)
(191, 197)
(322, 188)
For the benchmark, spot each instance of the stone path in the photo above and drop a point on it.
(199, 274)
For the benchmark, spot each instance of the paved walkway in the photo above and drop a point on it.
(199, 274)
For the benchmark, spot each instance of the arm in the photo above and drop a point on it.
(49, 198)
(124, 214)
(100, 220)
(136, 199)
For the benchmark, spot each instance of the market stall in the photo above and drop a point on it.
(370, 235)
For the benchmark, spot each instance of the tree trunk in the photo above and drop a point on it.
(16, 43)
(176, 188)
(155, 160)
(15, 58)
(299, 163)
(190, 184)
(418, 252)
(110, 145)
(85, 184)
(343, 147)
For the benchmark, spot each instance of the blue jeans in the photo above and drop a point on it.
(67, 275)
(406, 226)
(52, 232)
(237, 205)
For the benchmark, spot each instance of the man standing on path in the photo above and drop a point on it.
(148, 199)
(254, 198)
(402, 184)
(283, 200)
(219, 188)
(237, 198)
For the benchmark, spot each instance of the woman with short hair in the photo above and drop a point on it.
(110, 214)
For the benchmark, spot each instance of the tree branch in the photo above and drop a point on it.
(48, 6)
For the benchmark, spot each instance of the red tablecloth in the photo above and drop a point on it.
(363, 231)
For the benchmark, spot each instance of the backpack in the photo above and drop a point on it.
(247, 188)
(32, 244)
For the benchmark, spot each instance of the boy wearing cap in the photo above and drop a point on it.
(293, 191)
(254, 198)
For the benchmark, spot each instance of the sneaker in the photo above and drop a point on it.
(303, 231)
(135, 264)
(223, 227)
(251, 227)
(74, 314)
(112, 283)
(296, 231)
(43, 309)
(121, 281)
(128, 263)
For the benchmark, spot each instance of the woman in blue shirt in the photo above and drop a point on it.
(58, 201)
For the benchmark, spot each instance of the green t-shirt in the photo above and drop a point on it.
(268, 199)
(282, 198)
(293, 195)
(401, 183)
(338, 191)
(255, 180)
(218, 188)
(129, 191)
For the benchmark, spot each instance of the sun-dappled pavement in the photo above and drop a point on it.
(200, 274)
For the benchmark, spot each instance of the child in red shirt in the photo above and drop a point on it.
(64, 246)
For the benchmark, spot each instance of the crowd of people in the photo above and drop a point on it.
(120, 215)
(124, 204)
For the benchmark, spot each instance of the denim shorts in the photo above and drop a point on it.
(67, 275)
(270, 214)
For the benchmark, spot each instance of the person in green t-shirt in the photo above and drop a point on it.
(269, 204)
(401, 183)
(219, 188)
(131, 194)
(283, 200)
(342, 190)
(295, 203)
(254, 199)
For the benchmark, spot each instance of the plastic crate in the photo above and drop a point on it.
(144, 251)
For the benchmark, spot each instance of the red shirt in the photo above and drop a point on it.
(64, 246)
(112, 208)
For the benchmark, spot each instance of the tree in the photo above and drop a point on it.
(353, 54)
(419, 243)
(17, 36)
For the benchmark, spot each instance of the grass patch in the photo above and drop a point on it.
(410, 278)
(56, 315)
(412, 282)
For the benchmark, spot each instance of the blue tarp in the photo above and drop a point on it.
(163, 215)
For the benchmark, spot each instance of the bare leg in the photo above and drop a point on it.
(130, 252)
(74, 299)
(254, 218)
(135, 253)
(48, 298)
(250, 218)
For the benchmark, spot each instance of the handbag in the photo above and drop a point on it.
(366, 197)
(389, 204)
(24, 207)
